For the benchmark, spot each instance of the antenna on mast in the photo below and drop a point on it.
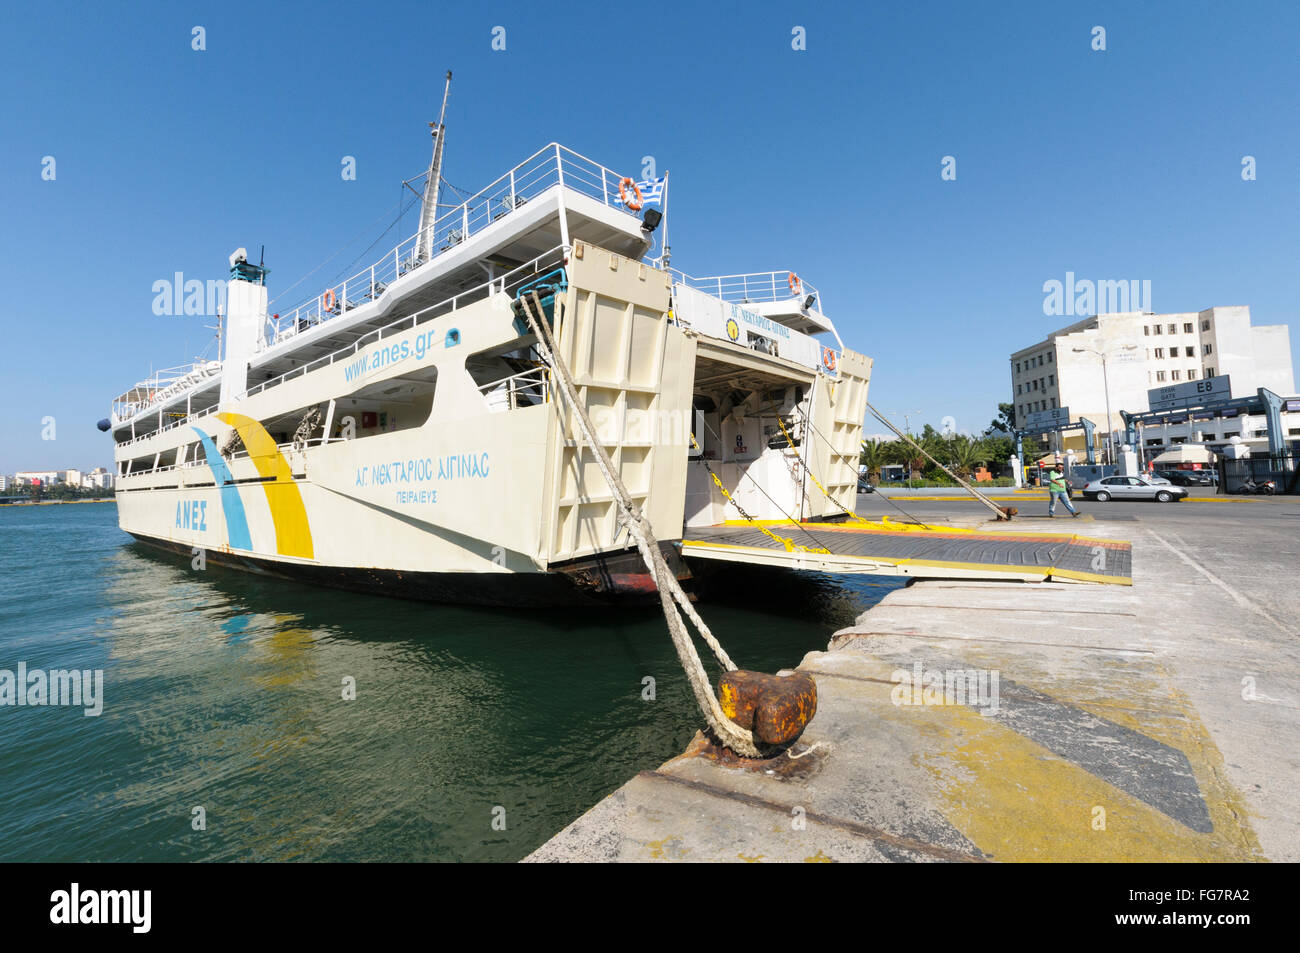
(433, 182)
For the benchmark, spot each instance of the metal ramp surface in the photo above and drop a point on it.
(927, 552)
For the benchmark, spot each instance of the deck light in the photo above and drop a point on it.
(651, 219)
(809, 301)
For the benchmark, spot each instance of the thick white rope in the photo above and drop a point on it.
(739, 740)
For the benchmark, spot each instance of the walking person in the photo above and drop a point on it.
(1056, 488)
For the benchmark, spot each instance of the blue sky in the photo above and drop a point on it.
(1117, 164)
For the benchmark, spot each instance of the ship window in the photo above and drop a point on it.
(510, 377)
(384, 406)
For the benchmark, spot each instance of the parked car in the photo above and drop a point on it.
(1188, 477)
(1132, 488)
(865, 487)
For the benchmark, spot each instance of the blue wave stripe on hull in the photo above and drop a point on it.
(232, 506)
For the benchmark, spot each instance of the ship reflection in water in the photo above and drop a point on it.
(234, 694)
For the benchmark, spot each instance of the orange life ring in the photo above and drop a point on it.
(796, 286)
(633, 204)
(327, 300)
(828, 359)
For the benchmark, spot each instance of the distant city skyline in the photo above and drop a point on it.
(931, 172)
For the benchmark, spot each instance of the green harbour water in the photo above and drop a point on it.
(224, 691)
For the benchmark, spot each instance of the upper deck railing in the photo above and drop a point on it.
(549, 167)
(755, 288)
(510, 280)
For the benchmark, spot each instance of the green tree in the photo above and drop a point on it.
(965, 454)
(1004, 422)
(875, 454)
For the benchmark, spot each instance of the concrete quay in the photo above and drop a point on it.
(1157, 722)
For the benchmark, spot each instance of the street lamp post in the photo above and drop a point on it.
(907, 429)
(1105, 384)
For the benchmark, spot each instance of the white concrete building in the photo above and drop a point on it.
(98, 479)
(46, 477)
(1143, 351)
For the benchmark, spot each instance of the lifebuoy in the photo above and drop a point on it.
(828, 359)
(327, 300)
(633, 204)
(796, 286)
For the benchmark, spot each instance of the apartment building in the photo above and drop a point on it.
(1142, 351)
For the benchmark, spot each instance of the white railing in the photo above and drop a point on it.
(755, 288)
(181, 422)
(525, 389)
(164, 385)
(513, 278)
(549, 167)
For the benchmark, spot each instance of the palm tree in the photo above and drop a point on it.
(965, 454)
(875, 454)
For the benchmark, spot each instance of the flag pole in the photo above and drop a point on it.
(666, 255)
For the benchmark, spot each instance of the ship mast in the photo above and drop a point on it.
(433, 182)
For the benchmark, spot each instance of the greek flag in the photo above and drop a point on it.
(652, 191)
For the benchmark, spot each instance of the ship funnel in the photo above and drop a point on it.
(244, 330)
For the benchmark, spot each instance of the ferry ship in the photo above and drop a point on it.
(399, 432)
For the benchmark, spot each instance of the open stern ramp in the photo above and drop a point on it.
(926, 552)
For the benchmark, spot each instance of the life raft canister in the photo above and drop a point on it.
(632, 203)
(796, 286)
(828, 359)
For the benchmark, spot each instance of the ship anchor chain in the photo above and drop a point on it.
(754, 714)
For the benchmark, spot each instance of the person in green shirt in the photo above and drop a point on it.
(1057, 488)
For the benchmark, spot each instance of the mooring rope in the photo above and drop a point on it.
(671, 595)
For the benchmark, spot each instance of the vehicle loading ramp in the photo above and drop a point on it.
(889, 547)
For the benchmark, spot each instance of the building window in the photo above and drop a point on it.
(1293, 432)
(1205, 325)
(1160, 352)
(1173, 329)
(1146, 330)
(1017, 367)
(1189, 352)
(1155, 442)
(1178, 375)
(1209, 349)
(1053, 403)
(1160, 375)
(1050, 357)
(1051, 380)
(1229, 434)
(1209, 372)
(1017, 390)
(1187, 328)
(1191, 373)
(1155, 329)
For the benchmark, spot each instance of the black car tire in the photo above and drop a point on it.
(1164, 496)
(1102, 497)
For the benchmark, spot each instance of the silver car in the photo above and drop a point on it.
(1132, 488)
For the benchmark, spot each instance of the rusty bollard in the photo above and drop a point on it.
(775, 708)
